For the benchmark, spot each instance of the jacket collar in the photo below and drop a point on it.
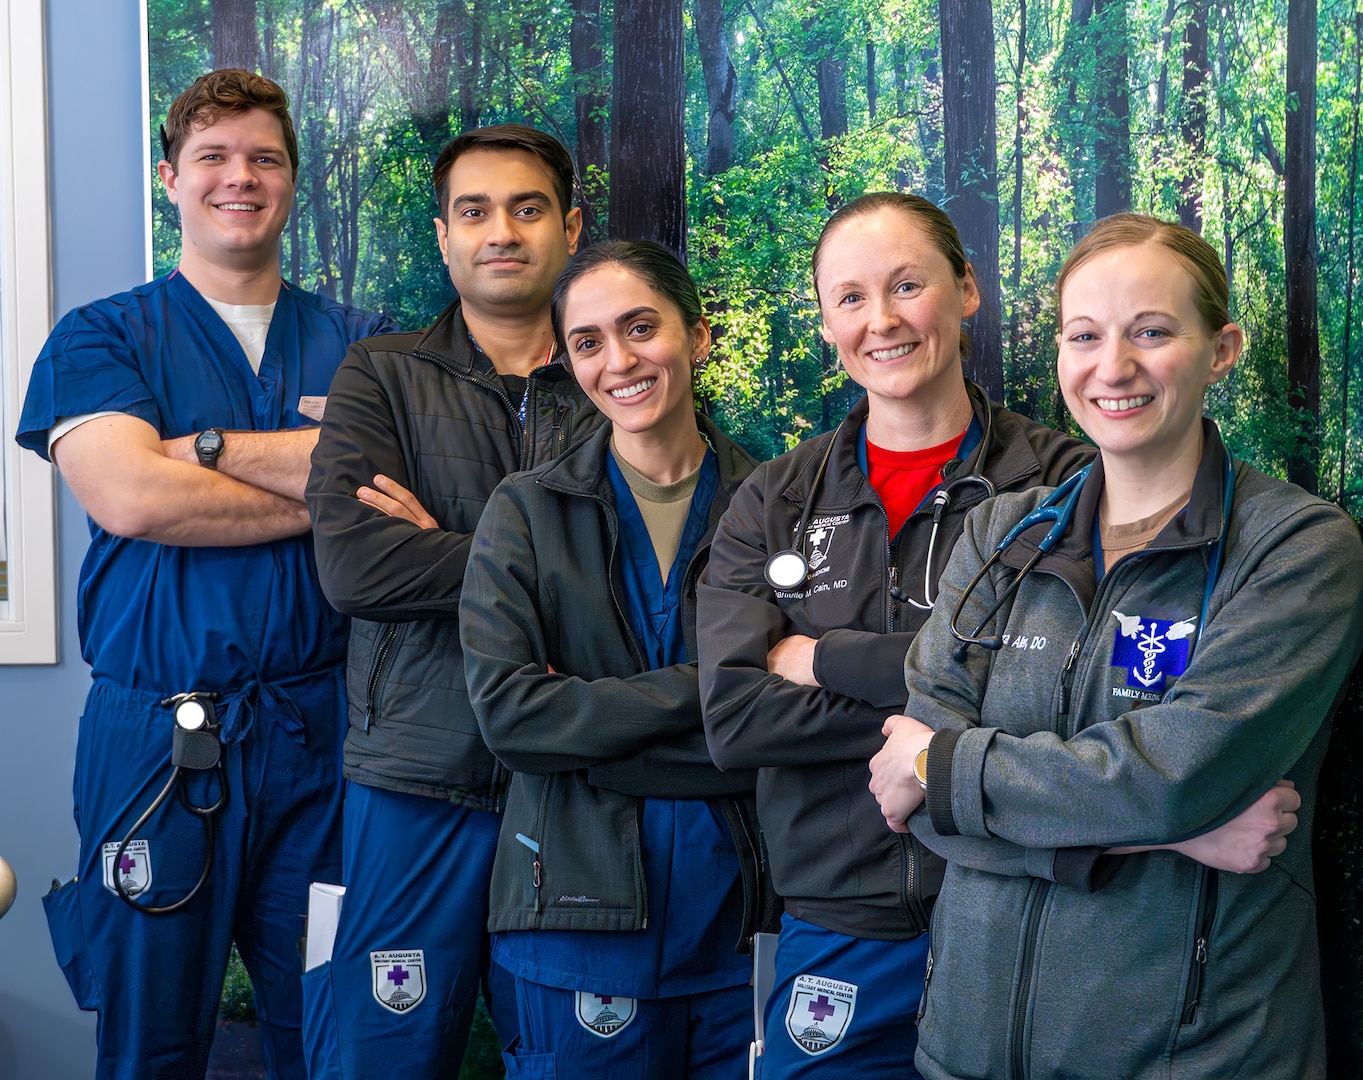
(582, 470)
(1200, 523)
(1007, 457)
(447, 341)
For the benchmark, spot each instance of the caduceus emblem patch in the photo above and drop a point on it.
(1151, 650)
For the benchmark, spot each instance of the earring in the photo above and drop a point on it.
(701, 361)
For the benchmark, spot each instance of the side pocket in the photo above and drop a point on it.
(385, 645)
(320, 1038)
(1206, 918)
(64, 923)
(529, 1066)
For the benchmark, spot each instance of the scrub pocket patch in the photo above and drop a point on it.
(399, 978)
(67, 928)
(820, 1012)
(604, 1014)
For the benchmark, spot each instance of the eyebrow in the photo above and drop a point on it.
(482, 198)
(266, 148)
(1149, 313)
(903, 268)
(620, 320)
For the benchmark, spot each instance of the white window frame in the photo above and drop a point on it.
(28, 635)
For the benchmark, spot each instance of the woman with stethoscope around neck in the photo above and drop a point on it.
(821, 571)
(1100, 729)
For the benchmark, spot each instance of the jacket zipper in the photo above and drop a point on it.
(1066, 677)
(537, 866)
(927, 981)
(1210, 882)
(1039, 893)
(382, 658)
(560, 430)
(613, 528)
(492, 388)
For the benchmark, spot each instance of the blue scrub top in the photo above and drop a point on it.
(691, 872)
(164, 618)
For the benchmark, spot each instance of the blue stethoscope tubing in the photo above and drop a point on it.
(1058, 508)
(789, 568)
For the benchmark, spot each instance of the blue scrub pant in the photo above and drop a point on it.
(697, 1037)
(156, 979)
(842, 1006)
(414, 920)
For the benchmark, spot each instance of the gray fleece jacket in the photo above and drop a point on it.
(1091, 728)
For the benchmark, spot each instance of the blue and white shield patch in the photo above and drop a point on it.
(1151, 650)
(820, 1012)
(133, 870)
(399, 978)
(604, 1014)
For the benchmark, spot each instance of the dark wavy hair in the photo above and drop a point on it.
(650, 262)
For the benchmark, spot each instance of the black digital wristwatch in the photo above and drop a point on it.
(209, 446)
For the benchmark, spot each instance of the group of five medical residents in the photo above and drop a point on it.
(611, 687)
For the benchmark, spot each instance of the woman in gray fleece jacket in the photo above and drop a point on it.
(1166, 671)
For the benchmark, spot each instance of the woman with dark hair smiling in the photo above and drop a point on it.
(627, 876)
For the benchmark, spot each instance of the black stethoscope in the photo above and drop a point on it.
(789, 569)
(1058, 508)
(196, 748)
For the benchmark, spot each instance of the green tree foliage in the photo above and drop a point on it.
(832, 101)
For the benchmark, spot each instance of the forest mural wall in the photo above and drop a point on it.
(728, 130)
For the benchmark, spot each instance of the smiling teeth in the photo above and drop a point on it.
(895, 353)
(237, 206)
(1123, 404)
(632, 391)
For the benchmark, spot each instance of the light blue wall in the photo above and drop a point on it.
(98, 218)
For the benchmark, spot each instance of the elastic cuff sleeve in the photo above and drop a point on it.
(941, 752)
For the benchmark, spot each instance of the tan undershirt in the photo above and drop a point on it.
(1119, 540)
(664, 509)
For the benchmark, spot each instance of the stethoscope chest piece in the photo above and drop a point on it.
(786, 570)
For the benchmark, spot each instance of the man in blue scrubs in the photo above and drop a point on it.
(182, 415)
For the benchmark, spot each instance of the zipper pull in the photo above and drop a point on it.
(1065, 678)
(368, 716)
(535, 867)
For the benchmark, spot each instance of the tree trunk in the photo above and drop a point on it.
(1299, 240)
(971, 168)
(468, 63)
(648, 155)
(591, 100)
(1112, 146)
(1019, 127)
(830, 75)
(721, 84)
(1075, 52)
(1165, 41)
(1341, 488)
(871, 92)
(1193, 126)
(433, 111)
(930, 129)
(236, 43)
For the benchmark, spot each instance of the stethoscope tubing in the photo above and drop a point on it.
(1058, 508)
(789, 568)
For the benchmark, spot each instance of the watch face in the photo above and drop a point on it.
(208, 445)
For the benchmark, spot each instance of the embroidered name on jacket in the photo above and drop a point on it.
(1151, 650)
